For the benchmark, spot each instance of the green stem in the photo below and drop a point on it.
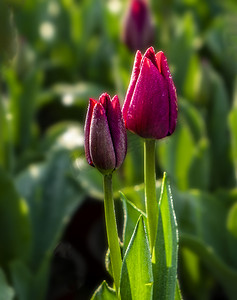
(150, 189)
(112, 233)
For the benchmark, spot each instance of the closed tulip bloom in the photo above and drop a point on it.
(150, 106)
(105, 134)
(138, 30)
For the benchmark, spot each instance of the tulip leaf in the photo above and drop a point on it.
(15, 231)
(192, 151)
(133, 171)
(178, 295)
(64, 135)
(136, 275)
(6, 291)
(30, 284)
(233, 130)
(222, 173)
(22, 279)
(193, 119)
(232, 220)
(21, 109)
(135, 194)
(166, 247)
(5, 149)
(52, 196)
(7, 33)
(192, 81)
(207, 235)
(104, 292)
(181, 49)
(225, 274)
(131, 215)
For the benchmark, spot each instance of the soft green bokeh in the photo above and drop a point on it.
(54, 56)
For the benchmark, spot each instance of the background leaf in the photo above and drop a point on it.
(15, 230)
(7, 292)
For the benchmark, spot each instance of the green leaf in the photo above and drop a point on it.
(232, 220)
(22, 99)
(136, 276)
(89, 178)
(136, 196)
(222, 172)
(192, 81)
(7, 33)
(225, 274)
(78, 93)
(22, 279)
(15, 231)
(52, 196)
(206, 235)
(30, 284)
(193, 213)
(131, 215)
(64, 135)
(191, 150)
(166, 247)
(178, 295)
(5, 150)
(233, 131)
(104, 292)
(6, 291)
(133, 172)
(181, 48)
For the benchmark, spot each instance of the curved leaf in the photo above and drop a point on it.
(104, 292)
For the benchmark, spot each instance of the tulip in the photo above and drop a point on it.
(105, 134)
(138, 30)
(150, 106)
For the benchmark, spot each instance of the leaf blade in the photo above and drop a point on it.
(104, 292)
(136, 276)
(166, 247)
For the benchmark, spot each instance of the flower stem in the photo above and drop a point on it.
(150, 190)
(112, 233)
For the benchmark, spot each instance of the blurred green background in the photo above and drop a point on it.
(54, 56)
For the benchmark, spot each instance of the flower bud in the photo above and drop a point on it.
(138, 30)
(150, 106)
(105, 134)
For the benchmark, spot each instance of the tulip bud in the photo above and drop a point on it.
(150, 106)
(138, 30)
(105, 134)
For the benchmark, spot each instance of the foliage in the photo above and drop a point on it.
(54, 56)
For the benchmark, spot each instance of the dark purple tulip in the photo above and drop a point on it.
(138, 30)
(150, 106)
(105, 134)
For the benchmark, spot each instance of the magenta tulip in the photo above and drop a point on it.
(150, 106)
(138, 30)
(105, 134)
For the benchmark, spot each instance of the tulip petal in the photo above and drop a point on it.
(90, 109)
(150, 54)
(117, 129)
(101, 145)
(173, 106)
(105, 100)
(148, 113)
(132, 84)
